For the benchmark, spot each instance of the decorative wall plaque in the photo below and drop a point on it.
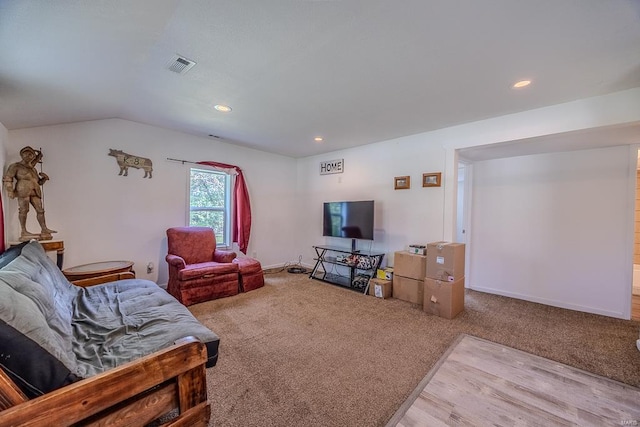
(332, 166)
(125, 161)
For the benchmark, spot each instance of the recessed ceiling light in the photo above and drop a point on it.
(222, 108)
(318, 139)
(521, 83)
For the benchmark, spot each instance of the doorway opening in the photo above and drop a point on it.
(635, 297)
(463, 212)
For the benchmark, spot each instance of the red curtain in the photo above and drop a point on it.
(241, 208)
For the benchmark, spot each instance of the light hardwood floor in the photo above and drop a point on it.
(635, 307)
(483, 383)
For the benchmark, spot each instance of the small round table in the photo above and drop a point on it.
(96, 269)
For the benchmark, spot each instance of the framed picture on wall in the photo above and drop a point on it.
(431, 179)
(402, 182)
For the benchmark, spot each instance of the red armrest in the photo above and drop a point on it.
(175, 261)
(223, 256)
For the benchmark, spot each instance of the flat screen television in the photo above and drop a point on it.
(350, 219)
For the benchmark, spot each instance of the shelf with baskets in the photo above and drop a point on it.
(344, 267)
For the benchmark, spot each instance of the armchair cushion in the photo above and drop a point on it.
(194, 271)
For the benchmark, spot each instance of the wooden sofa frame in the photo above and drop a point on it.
(133, 394)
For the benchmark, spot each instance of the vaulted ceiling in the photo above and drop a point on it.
(350, 71)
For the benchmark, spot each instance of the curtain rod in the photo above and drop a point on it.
(220, 167)
(182, 161)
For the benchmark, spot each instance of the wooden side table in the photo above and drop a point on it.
(97, 269)
(50, 246)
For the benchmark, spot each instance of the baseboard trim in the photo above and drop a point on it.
(553, 303)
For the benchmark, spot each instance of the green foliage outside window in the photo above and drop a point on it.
(208, 201)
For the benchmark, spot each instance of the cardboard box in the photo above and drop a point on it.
(380, 288)
(443, 298)
(385, 273)
(417, 249)
(410, 290)
(445, 261)
(409, 265)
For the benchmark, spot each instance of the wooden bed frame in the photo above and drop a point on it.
(133, 394)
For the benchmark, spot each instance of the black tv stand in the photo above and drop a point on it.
(347, 268)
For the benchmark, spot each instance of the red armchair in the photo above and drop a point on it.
(197, 270)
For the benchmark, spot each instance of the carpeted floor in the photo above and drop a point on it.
(306, 353)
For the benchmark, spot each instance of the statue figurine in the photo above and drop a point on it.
(27, 190)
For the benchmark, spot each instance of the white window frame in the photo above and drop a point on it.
(228, 208)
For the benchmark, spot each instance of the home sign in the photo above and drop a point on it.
(332, 166)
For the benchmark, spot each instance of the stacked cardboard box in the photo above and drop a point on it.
(418, 249)
(444, 284)
(408, 276)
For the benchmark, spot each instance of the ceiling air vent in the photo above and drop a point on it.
(180, 64)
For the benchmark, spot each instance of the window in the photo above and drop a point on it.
(210, 202)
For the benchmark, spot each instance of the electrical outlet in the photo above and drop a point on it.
(149, 267)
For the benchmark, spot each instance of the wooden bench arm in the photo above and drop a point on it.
(135, 393)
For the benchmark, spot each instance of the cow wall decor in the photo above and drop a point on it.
(125, 161)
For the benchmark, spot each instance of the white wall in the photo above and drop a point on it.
(4, 136)
(103, 216)
(553, 228)
(402, 217)
(589, 113)
(421, 215)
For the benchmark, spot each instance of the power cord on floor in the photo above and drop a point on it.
(298, 268)
(290, 267)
